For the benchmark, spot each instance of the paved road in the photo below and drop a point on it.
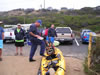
(74, 50)
(67, 49)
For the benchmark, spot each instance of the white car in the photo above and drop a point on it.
(9, 35)
(64, 34)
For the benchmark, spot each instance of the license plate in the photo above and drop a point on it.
(62, 39)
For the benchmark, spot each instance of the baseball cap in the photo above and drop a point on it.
(18, 24)
(39, 21)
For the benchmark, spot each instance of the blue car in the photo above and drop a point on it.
(85, 37)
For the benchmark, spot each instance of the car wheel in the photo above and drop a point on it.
(4, 41)
(71, 42)
(13, 41)
(82, 42)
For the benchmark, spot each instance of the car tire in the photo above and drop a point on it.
(82, 42)
(71, 42)
(4, 41)
(13, 41)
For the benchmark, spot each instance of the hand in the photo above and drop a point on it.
(37, 36)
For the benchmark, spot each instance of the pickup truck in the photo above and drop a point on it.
(9, 35)
(64, 34)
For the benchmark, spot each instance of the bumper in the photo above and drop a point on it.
(9, 38)
(62, 40)
(87, 41)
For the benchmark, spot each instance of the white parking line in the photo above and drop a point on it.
(76, 42)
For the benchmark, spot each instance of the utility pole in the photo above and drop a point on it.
(44, 4)
(41, 7)
(24, 19)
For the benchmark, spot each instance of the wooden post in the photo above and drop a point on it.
(89, 50)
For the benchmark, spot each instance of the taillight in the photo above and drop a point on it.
(85, 37)
(71, 35)
(10, 34)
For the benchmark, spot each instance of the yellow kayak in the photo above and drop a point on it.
(55, 61)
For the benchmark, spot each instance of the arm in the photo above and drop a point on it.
(24, 32)
(34, 34)
(15, 31)
(32, 29)
(55, 33)
(48, 32)
(2, 35)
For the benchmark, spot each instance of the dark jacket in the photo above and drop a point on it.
(19, 35)
(52, 32)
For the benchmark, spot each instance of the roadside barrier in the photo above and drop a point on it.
(94, 54)
(89, 50)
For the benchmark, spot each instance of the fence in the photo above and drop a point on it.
(94, 54)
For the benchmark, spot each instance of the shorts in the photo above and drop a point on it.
(19, 44)
(1, 44)
(50, 39)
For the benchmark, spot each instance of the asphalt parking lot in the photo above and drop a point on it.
(67, 49)
(19, 65)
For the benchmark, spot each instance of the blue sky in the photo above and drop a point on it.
(6, 5)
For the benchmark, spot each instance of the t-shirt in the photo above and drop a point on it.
(1, 31)
(18, 30)
(34, 30)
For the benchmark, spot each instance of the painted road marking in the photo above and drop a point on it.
(76, 42)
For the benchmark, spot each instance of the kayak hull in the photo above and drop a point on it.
(59, 62)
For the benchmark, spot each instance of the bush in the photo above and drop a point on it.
(86, 70)
(75, 22)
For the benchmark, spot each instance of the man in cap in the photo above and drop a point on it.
(36, 40)
(1, 39)
(19, 38)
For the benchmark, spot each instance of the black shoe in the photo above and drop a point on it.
(0, 59)
(32, 60)
(16, 54)
(42, 55)
(21, 54)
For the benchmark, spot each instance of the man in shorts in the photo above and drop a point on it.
(19, 39)
(51, 33)
(1, 39)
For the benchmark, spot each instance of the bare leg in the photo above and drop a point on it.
(16, 51)
(21, 49)
(0, 53)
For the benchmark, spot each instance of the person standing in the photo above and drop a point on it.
(1, 40)
(19, 39)
(51, 33)
(36, 40)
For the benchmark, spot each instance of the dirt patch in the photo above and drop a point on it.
(74, 66)
(19, 65)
